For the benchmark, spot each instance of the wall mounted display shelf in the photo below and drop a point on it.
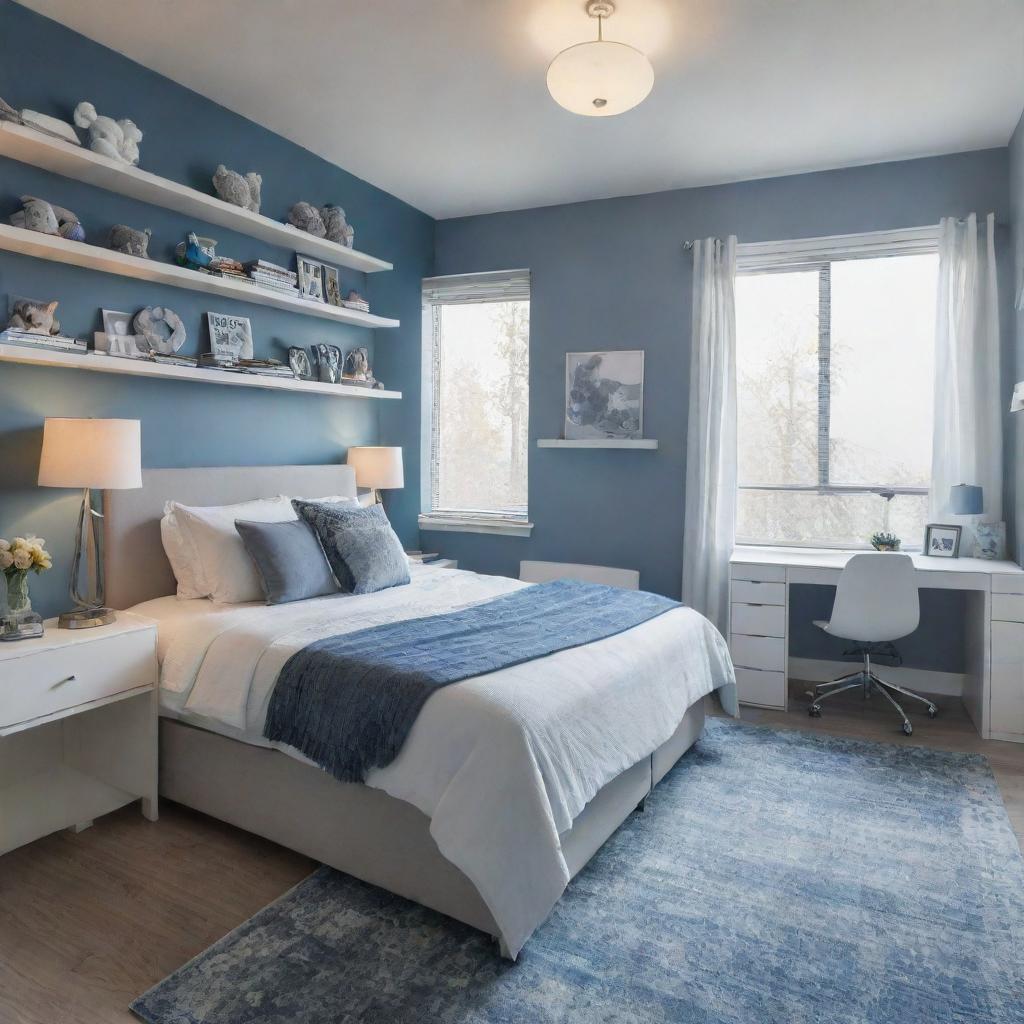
(92, 257)
(644, 443)
(143, 368)
(31, 147)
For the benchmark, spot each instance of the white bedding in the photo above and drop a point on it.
(502, 763)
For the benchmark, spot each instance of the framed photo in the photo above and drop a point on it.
(230, 337)
(604, 395)
(332, 286)
(311, 278)
(942, 541)
(117, 326)
(298, 360)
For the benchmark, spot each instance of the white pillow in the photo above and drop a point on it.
(206, 552)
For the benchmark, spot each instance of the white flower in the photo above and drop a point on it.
(19, 542)
(5, 545)
(6, 559)
(22, 559)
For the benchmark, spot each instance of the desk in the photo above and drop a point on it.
(759, 582)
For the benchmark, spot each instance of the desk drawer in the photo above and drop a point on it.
(763, 652)
(52, 681)
(758, 573)
(1008, 607)
(1008, 583)
(766, 689)
(759, 620)
(756, 592)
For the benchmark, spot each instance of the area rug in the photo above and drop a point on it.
(775, 876)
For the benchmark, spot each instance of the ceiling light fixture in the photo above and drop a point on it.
(601, 78)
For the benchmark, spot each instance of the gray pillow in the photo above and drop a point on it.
(364, 552)
(289, 560)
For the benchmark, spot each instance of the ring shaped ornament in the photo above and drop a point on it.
(160, 329)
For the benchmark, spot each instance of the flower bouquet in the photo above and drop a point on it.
(18, 558)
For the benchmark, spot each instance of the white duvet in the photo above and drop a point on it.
(502, 763)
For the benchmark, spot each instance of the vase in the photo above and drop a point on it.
(19, 604)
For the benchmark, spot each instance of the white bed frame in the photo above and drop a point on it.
(356, 829)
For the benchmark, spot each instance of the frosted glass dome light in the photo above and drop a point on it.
(600, 78)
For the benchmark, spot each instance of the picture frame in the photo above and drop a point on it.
(942, 540)
(230, 337)
(300, 363)
(604, 395)
(332, 286)
(311, 278)
(120, 334)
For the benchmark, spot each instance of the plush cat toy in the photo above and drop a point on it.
(34, 317)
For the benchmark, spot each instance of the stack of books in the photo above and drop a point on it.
(361, 304)
(53, 342)
(224, 266)
(260, 367)
(270, 275)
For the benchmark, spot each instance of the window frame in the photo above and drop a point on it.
(818, 254)
(461, 289)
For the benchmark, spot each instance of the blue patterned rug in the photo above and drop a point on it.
(776, 876)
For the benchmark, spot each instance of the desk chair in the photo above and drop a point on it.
(876, 602)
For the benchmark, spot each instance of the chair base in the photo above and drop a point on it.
(870, 683)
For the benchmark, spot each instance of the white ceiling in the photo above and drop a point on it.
(443, 102)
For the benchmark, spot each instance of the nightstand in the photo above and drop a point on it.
(78, 727)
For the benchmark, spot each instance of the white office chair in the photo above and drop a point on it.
(876, 602)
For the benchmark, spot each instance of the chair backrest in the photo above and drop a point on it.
(544, 572)
(876, 598)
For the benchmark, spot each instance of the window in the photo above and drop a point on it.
(477, 366)
(835, 345)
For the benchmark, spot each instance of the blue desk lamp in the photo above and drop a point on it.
(966, 500)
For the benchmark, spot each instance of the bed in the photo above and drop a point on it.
(507, 784)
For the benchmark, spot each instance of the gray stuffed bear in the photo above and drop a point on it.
(241, 190)
(129, 240)
(306, 217)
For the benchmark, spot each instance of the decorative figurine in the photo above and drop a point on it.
(32, 317)
(118, 140)
(328, 363)
(306, 217)
(336, 226)
(40, 215)
(196, 253)
(159, 329)
(298, 360)
(357, 368)
(241, 190)
(129, 240)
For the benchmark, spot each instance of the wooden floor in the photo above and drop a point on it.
(89, 921)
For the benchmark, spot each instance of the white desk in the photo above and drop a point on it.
(993, 693)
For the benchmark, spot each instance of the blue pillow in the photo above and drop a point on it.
(289, 560)
(361, 547)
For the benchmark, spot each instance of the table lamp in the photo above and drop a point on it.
(966, 500)
(378, 468)
(102, 454)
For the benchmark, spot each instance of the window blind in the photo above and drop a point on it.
(496, 286)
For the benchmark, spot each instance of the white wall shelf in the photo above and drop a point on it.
(82, 254)
(32, 147)
(143, 368)
(644, 443)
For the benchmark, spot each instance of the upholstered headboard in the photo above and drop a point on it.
(136, 566)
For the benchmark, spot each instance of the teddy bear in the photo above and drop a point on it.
(118, 140)
(129, 240)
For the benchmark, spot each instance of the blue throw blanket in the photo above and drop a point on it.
(348, 702)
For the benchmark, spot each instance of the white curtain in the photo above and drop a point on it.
(709, 523)
(967, 444)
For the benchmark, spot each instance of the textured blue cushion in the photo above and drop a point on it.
(289, 560)
(362, 549)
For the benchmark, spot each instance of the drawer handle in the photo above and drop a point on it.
(61, 682)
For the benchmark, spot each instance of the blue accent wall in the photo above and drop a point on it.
(49, 68)
(613, 274)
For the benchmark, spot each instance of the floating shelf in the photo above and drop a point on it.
(143, 368)
(92, 257)
(32, 147)
(598, 442)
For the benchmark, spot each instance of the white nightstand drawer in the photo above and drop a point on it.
(759, 573)
(764, 652)
(756, 592)
(76, 673)
(767, 689)
(1008, 607)
(759, 620)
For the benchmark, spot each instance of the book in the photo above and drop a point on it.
(53, 342)
(267, 267)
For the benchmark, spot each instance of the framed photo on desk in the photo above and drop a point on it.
(942, 541)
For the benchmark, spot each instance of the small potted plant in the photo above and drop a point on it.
(18, 558)
(885, 542)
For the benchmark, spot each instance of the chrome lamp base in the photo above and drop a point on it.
(86, 618)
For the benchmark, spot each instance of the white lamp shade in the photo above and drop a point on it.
(104, 454)
(377, 467)
(600, 79)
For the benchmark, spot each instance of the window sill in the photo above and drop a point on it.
(483, 524)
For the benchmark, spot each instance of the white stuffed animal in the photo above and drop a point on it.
(117, 139)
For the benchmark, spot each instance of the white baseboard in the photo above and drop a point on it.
(946, 684)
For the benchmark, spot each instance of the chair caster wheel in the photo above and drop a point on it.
(908, 729)
(932, 712)
(814, 711)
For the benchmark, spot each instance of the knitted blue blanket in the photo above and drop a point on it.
(348, 702)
